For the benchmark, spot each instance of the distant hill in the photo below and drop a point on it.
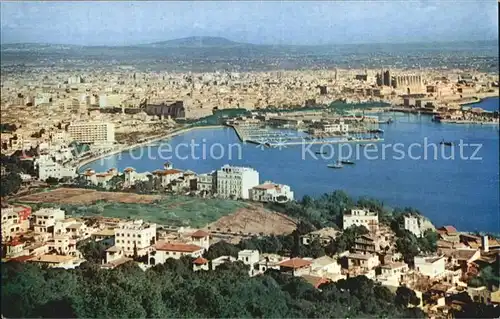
(197, 42)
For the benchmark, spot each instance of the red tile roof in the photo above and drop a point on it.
(315, 280)
(200, 261)
(177, 247)
(449, 229)
(200, 234)
(295, 263)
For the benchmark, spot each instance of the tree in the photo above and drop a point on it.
(10, 184)
(221, 248)
(405, 297)
(92, 251)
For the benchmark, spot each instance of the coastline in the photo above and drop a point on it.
(94, 158)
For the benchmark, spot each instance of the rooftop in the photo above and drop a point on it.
(295, 263)
(200, 234)
(177, 247)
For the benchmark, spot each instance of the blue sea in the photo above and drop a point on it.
(462, 190)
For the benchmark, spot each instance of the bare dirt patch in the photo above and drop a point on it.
(86, 196)
(251, 221)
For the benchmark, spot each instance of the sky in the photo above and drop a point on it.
(259, 22)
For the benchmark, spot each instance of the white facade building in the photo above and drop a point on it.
(433, 266)
(361, 217)
(45, 219)
(412, 225)
(135, 235)
(271, 192)
(47, 167)
(236, 182)
(92, 132)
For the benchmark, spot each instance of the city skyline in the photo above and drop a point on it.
(294, 23)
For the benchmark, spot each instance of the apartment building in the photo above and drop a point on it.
(45, 219)
(135, 235)
(12, 223)
(236, 182)
(271, 192)
(92, 132)
(361, 217)
(47, 167)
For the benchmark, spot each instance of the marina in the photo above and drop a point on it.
(278, 138)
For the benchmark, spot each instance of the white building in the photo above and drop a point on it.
(164, 250)
(391, 274)
(433, 266)
(250, 258)
(74, 79)
(361, 217)
(206, 183)
(136, 235)
(131, 177)
(236, 182)
(92, 132)
(45, 219)
(271, 192)
(340, 127)
(327, 267)
(47, 167)
(12, 223)
(412, 225)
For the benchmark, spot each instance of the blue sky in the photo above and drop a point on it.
(268, 22)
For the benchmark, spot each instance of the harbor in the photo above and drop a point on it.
(276, 138)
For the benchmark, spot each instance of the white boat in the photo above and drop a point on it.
(336, 165)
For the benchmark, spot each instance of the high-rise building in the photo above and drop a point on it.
(236, 182)
(92, 132)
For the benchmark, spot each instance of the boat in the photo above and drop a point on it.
(336, 165)
(321, 153)
(347, 162)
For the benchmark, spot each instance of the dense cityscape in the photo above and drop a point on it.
(94, 227)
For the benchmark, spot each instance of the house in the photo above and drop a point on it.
(12, 223)
(324, 235)
(392, 274)
(361, 217)
(249, 257)
(271, 192)
(270, 261)
(367, 244)
(163, 251)
(449, 233)
(364, 262)
(166, 176)
(45, 219)
(296, 266)
(431, 266)
(327, 267)
(200, 263)
(201, 238)
(131, 177)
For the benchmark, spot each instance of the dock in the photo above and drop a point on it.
(315, 142)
